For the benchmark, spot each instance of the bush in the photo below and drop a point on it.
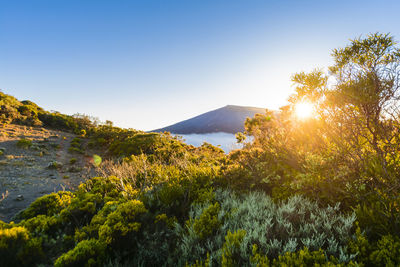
(122, 223)
(86, 253)
(69, 123)
(76, 146)
(54, 165)
(276, 228)
(48, 205)
(207, 223)
(17, 248)
(384, 252)
(24, 143)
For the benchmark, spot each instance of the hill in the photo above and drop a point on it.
(228, 119)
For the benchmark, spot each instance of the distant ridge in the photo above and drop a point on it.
(228, 119)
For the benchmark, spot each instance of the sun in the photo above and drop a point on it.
(304, 110)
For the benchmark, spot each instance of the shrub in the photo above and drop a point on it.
(48, 205)
(384, 252)
(276, 228)
(207, 223)
(24, 143)
(54, 165)
(76, 146)
(17, 248)
(86, 253)
(379, 215)
(231, 248)
(43, 226)
(121, 223)
(72, 161)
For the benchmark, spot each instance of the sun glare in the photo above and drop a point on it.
(304, 110)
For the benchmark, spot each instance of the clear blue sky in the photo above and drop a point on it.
(146, 64)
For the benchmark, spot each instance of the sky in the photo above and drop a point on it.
(147, 64)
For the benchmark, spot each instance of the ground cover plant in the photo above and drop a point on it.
(320, 190)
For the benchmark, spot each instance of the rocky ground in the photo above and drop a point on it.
(44, 165)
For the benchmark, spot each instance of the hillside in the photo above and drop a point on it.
(228, 119)
(35, 161)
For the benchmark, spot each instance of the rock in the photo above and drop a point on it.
(19, 198)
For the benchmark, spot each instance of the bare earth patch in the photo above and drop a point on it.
(27, 173)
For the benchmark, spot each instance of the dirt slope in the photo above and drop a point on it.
(25, 173)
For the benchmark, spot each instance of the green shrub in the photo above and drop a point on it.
(48, 205)
(28, 110)
(276, 228)
(384, 252)
(122, 222)
(379, 215)
(72, 161)
(24, 143)
(42, 225)
(86, 253)
(76, 146)
(18, 248)
(54, 165)
(231, 248)
(74, 123)
(207, 223)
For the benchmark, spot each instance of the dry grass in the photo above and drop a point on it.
(3, 196)
(133, 172)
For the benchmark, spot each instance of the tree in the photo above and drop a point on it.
(358, 103)
(349, 151)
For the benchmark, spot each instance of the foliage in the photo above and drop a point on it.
(348, 150)
(76, 146)
(86, 253)
(17, 248)
(121, 222)
(157, 201)
(48, 205)
(231, 248)
(24, 143)
(207, 223)
(384, 252)
(276, 228)
(28, 113)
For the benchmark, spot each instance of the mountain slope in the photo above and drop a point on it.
(228, 119)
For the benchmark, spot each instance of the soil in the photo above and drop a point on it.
(25, 173)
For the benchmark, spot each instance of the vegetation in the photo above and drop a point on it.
(28, 113)
(24, 143)
(307, 191)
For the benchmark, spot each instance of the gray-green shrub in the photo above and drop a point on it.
(275, 228)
